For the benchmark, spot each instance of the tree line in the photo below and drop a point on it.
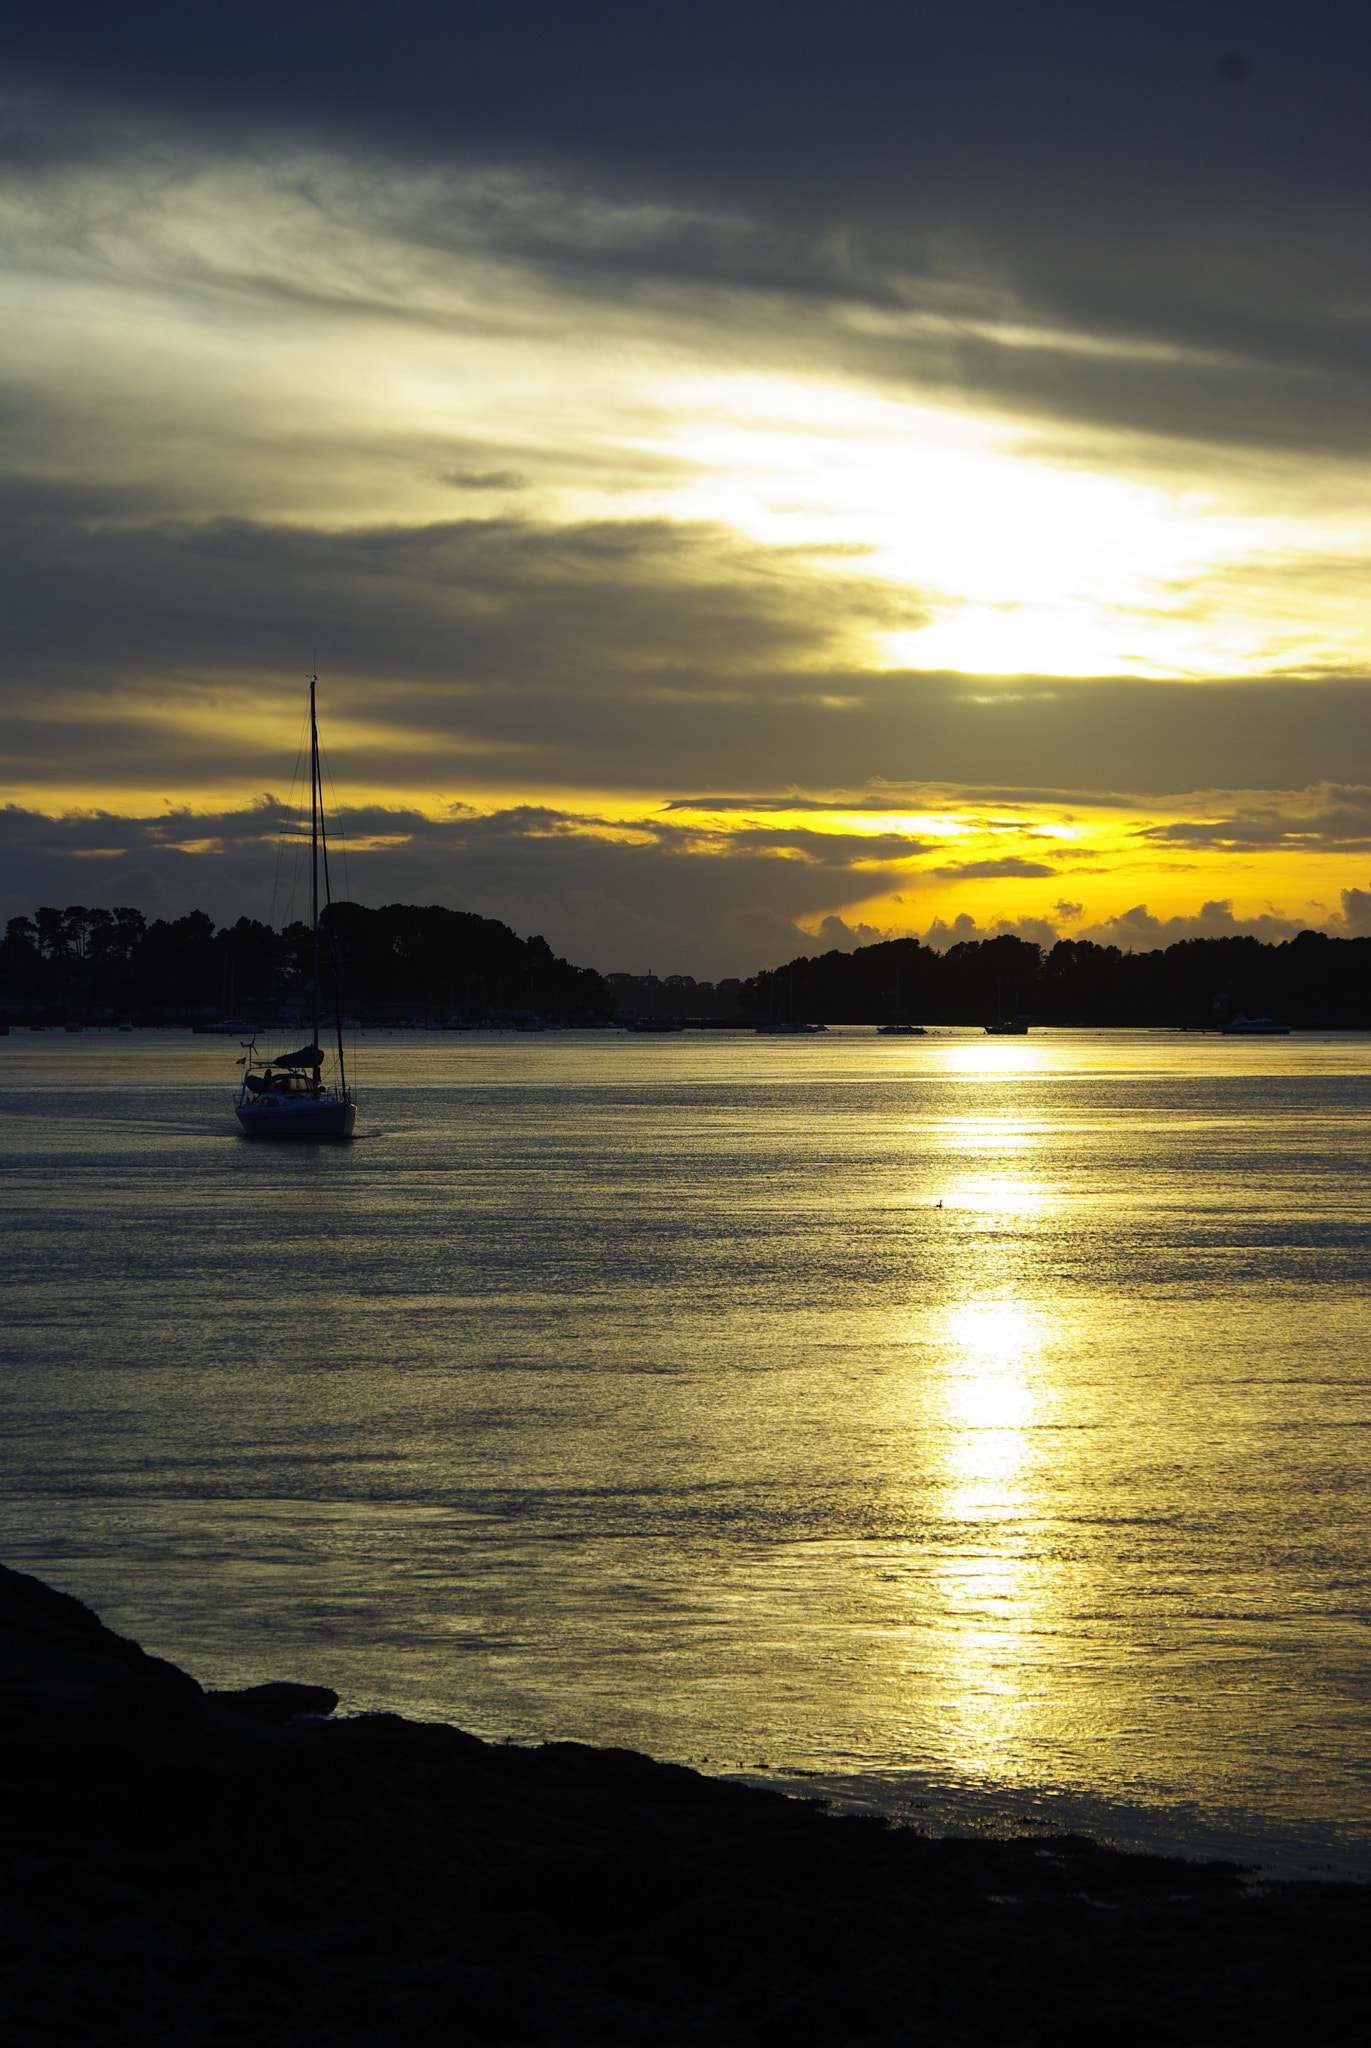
(1310, 980)
(405, 960)
(401, 960)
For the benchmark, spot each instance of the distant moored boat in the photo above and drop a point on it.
(1006, 1027)
(900, 1026)
(1255, 1027)
(652, 1023)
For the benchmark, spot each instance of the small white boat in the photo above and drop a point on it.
(1255, 1027)
(286, 1096)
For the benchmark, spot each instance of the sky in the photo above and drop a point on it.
(749, 478)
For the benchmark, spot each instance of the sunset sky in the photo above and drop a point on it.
(749, 477)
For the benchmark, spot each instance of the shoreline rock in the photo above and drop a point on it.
(185, 1867)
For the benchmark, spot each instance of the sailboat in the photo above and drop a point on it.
(651, 1022)
(791, 1026)
(899, 1026)
(1006, 1027)
(287, 1096)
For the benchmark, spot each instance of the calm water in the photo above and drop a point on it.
(982, 1427)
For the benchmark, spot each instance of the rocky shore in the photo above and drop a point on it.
(184, 1867)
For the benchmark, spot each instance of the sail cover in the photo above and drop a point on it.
(308, 1056)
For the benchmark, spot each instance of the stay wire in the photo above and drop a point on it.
(288, 830)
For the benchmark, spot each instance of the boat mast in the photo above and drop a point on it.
(319, 841)
(314, 868)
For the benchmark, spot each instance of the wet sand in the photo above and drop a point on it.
(216, 1869)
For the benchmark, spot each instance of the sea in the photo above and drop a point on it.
(974, 1429)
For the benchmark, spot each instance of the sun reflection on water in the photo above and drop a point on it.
(990, 1402)
(993, 1058)
(993, 1592)
(998, 1194)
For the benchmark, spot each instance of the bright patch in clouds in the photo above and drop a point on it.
(1027, 564)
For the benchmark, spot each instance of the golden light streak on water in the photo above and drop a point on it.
(989, 1404)
(992, 1591)
(992, 1057)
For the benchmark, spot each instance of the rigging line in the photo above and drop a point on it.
(323, 844)
(323, 831)
(339, 831)
(284, 832)
(319, 825)
(340, 837)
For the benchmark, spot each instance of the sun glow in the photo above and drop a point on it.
(1022, 557)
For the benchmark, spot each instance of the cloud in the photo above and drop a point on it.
(1331, 818)
(619, 409)
(1356, 914)
(604, 892)
(834, 935)
(484, 479)
(159, 654)
(1011, 865)
(1138, 931)
(964, 930)
(624, 893)
(1065, 208)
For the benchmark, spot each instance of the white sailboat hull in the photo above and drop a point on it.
(322, 1117)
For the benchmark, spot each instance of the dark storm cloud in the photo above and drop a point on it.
(502, 652)
(1062, 168)
(872, 108)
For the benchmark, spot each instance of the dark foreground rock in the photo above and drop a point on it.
(184, 1868)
